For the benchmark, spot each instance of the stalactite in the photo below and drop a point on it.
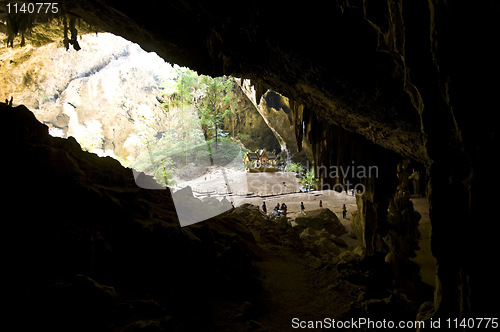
(65, 40)
(20, 24)
(74, 33)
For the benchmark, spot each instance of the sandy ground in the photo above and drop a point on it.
(272, 188)
(283, 187)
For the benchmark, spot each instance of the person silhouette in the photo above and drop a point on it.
(277, 209)
(284, 208)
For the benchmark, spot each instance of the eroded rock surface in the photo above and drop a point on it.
(321, 219)
(86, 235)
(107, 95)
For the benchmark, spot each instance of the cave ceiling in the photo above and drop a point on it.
(345, 61)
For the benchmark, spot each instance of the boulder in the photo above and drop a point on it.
(143, 325)
(322, 219)
(249, 212)
(348, 256)
(298, 228)
(325, 246)
(325, 233)
(281, 221)
(148, 307)
(309, 234)
(347, 260)
(338, 241)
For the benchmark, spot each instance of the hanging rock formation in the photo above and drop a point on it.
(276, 110)
(112, 83)
(248, 125)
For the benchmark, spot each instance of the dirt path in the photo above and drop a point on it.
(293, 285)
(295, 289)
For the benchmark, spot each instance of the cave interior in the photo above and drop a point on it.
(395, 84)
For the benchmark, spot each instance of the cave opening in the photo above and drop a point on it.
(117, 256)
(117, 100)
(93, 91)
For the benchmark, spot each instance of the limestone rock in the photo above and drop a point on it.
(248, 126)
(192, 210)
(143, 326)
(309, 234)
(338, 241)
(348, 258)
(325, 246)
(148, 307)
(352, 235)
(110, 84)
(103, 225)
(322, 219)
(248, 212)
(86, 286)
(325, 233)
(359, 250)
(276, 110)
(281, 221)
(115, 84)
(298, 228)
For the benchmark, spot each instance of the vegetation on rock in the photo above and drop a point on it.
(195, 107)
(307, 177)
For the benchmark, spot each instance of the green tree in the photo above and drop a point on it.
(308, 179)
(215, 105)
(163, 174)
(178, 97)
(295, 167)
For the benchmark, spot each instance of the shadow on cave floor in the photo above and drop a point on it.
(114, 257)
(424, 260)
(298, 286)
(294, 285)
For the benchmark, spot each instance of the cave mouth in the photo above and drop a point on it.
(399, 77)
(117, 100)
(352, 271)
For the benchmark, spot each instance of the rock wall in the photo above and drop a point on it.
(276, 110)
(87, 245)
(110, 84)
(248, 125)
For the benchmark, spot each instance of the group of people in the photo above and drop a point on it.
(278, 209)
(281, 210)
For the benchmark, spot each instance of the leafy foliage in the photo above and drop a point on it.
(195, 107)
(308, 179)
(215, 105)
(295, 167)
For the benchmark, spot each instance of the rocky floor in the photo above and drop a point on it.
(91, 251)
